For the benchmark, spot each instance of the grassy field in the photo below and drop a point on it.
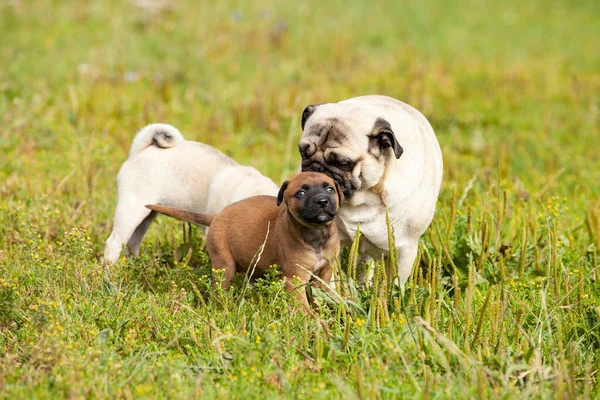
(504, 301)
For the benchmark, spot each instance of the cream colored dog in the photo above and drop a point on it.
(164, 168)
(384, 154)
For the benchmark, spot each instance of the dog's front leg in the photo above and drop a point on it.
(323, 278)
(296, 283)
(406, 258)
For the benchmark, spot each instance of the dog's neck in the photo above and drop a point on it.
(316, 236)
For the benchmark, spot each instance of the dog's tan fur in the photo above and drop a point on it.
(301, 249)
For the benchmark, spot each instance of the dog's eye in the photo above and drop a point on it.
(343, 163)
(330, 189)
(300, 193)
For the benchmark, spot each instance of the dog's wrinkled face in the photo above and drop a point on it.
(312, 198)
(350, 145)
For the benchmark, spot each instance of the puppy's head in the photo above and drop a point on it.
(351, 144)
(312, 198)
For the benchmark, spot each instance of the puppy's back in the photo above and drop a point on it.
(246, 225)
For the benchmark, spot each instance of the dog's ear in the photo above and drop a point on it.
(340, 194)
(308, 111)
(386, 137)
(281, 192)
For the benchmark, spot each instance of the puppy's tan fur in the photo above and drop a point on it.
(301, 249)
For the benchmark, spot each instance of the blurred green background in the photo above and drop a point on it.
(513, 80)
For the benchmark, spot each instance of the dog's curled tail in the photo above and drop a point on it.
(159, 135)
(184, 215)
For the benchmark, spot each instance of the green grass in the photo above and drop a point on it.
(505, 299)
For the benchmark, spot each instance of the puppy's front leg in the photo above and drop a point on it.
(295, 283)
(324, 275)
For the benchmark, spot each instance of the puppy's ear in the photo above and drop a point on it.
(386, 137)
(340, 194)
(308, 111)
(281, 192)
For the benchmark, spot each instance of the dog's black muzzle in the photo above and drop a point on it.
(319, 207)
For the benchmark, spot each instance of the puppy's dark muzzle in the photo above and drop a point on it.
(322, 201)
(320, 208)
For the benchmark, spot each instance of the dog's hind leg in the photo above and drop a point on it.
(128, 217)
(136, 239)
(228, 268)
(221, 259)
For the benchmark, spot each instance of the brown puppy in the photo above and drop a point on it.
(296, 229)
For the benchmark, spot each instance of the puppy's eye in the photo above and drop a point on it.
(300, 193)
(330, 189)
